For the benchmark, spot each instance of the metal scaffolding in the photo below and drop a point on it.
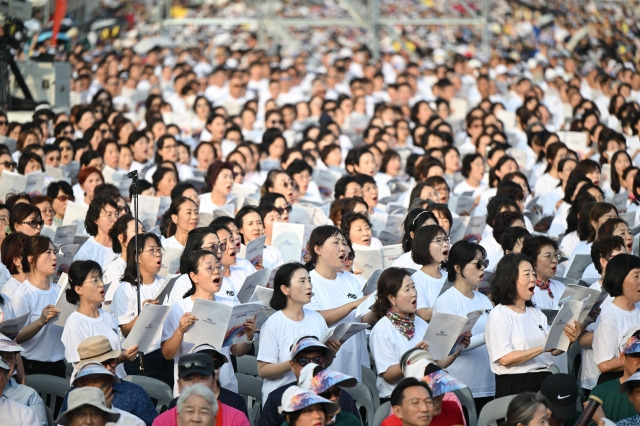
(366, 17)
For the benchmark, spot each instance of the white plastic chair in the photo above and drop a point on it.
(159, 392)
(466, 399)
(363, 399)
(250, 388)
(494, 410)
(382, 413)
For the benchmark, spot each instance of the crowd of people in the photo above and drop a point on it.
(489, 179)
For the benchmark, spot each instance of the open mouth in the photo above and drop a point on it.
(481, 277)
(342, 257)
(531, 289)
(554, 269)
(630, 246)
(445, 253)
(216, 281)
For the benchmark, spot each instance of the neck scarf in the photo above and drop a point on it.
(545, 286)
(405, 326)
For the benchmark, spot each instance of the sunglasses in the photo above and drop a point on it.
(303, 361)
(288, 208)
(8, 164)
(34, 223)
(112, 362)
(3, 123)
(215, 247)
(63, 198)
(331, 393)
(482, 263)
(193, 365)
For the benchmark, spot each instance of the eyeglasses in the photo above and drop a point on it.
(441, 240)
(170, 147)
(550, 256)
(303, 361)
(210, 269)
(215, 247)
(111, 362)
(63, 198)
(482, 263)
(288, 208)
(35, 223)
(95, 281)
(335, 392)
(155, 251)
(287, 184)
(122, 209)
(3, 123)
(47, 211)
(111, 215)
(276, 122)
(66, 147)
(8, 164)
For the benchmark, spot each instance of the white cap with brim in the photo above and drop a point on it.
(87, 396)
(207, 347)
(295, 399)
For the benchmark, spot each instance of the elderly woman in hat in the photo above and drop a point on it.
(87, 406)
(304, 408)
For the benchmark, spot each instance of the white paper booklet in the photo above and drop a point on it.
(148, 208)
(263, 296)
(11, 183)
(255, 249)
(147, 328)
(588, 296)
(12, 327)
(342, 332)
(568, 313)
(258, 278)
(74, 215)
(291, 239)
(368, 261)
(372, 283)
(35, 183)
(165, 288)
(220, 325)
(578, 265)
(365, 307)
(62, 305)
(64, 259)
(170, 261)
(61, 235)
(446, 332)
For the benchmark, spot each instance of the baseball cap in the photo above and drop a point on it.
(207, 347)
(561, 390)
(195, 364)
(97, 348)
(87, 396)
(629, 344)
(91, 368)
(632, 382)
(442, 382)
(295, 399)
(8, 345)
(414, 363)
(308, 342)
(323, 380)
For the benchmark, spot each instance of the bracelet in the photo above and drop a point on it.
(248, 342)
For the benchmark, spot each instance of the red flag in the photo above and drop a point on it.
(58, 15)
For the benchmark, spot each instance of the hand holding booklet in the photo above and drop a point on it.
(342, 332)
(220, 325)
(62, 305)
(447, 331)
(569, 312)
(147, 328)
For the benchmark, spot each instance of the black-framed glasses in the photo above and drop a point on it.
(35, 223)
(442, 240)
(333, 392)
(8, 164)
(482, 263)
(303, 361)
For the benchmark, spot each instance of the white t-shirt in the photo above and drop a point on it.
(10, 286)
(113, 277)
(232, 284)
(125, 303)
(388, 345)
(541, 298)
(330, 294)
(180, 287)
(207, 206)
(271, 257)
(494, 250)
(79, 327)
(171, 242)
(277, 335)
(507, 331)
(46, 345)
(545, 183)
(472, 366)
(613, 322)
(428, 288)
(226, 376)
(589, 371)
(6, 309)
(93, 250)
(406, 261)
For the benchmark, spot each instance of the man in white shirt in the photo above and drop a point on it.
(13, 412)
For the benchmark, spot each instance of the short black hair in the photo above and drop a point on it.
(603, 247)
(460, 254)
(504, 279)
(511, 235)
(533, 246)
(466, 163)
(408, 382)
(423, 237)
(341, 185)
(617, 270)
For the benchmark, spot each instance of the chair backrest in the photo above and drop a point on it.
(494, 410)
(364, 402)
(466, 399)
(574, 360)
(382, 413)
(250, 388)
(52, 390)
(369, 380)
(159, 392)
(247, 364)
(50, 420)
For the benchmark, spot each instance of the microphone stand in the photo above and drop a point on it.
(133, 175)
